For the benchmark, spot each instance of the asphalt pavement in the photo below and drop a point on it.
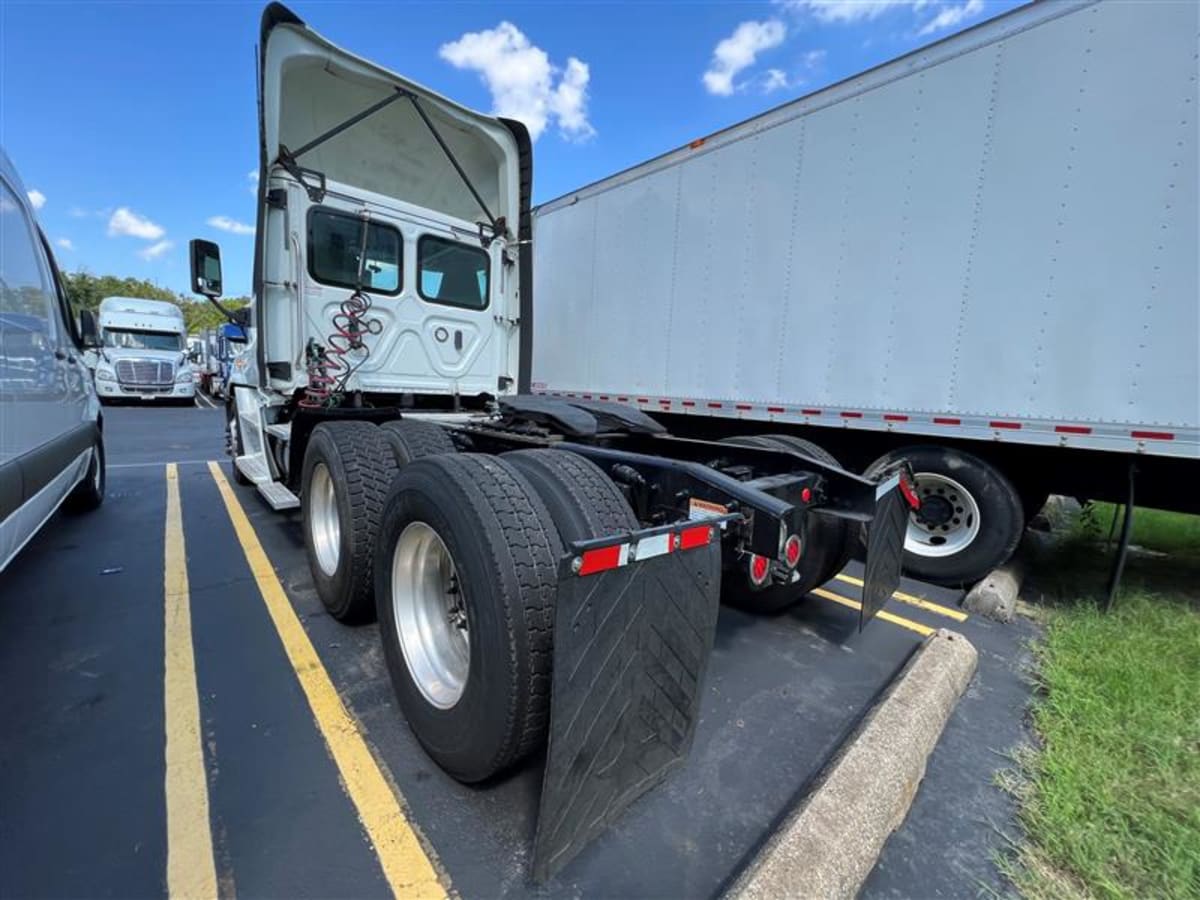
(89, 720)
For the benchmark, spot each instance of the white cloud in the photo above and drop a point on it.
(154, 251)
(522, 81)
(126, 222)
(739, 51)
(36, 198)
(252, 177)
(848, 11)
(65, 243)
(773, 80)
(77, 212)
(233, 226)
(778, 79)
(949, 16)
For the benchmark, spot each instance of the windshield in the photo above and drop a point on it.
(142, 340)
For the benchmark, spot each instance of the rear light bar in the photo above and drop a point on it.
(601, 559)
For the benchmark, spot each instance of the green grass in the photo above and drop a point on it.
(1154, 529)
(1110, 800)
(1113, 804)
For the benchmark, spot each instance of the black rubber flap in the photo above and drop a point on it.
(885, 548)
(631, 645)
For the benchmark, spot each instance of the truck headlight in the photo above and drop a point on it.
(183, 376)
(104, 375)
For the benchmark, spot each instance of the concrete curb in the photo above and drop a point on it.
(830, 844)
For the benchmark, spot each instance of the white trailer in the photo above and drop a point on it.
(981, 257)
(143, 352)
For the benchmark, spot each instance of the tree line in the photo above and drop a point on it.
(87, 290)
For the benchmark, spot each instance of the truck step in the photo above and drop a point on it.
(254, 467)
(282, 430)
(278, 495)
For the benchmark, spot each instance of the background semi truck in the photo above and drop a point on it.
(544, 571)
(980, 257)
(142, 353)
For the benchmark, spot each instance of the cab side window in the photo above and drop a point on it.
(335, 245)
(452, 273)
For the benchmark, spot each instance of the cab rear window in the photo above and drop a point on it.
(335, 246)
(452, 273)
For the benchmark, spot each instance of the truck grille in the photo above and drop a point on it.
(145, 374)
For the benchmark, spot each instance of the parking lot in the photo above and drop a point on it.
(90, 642)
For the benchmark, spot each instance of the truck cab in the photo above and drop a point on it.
(143, 352)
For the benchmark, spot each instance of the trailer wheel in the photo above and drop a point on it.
(347, 472)
(583, 502)
(411, 439)
(970, 519)
(465, 586)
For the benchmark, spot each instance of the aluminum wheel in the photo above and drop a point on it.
(948, 520)
(431, 615)
(323, 521)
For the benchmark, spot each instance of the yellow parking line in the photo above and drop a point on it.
(883, 614)
(408, 869)
(191, 871)
(920, 602)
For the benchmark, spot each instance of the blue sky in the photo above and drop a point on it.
(134, 122)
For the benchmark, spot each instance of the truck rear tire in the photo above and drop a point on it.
(827, 546)
(465, 586)
(971, 517)
(583, 502)
(412, 438)
(348, 469)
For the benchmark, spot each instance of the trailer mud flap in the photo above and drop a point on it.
(634, 628)
(885, 547)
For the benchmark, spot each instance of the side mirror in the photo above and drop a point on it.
(206, 267)
(89, 335)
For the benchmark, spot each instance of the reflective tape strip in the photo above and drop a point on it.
(658, 545)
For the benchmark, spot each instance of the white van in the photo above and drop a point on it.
(51, 437)
(143, 351)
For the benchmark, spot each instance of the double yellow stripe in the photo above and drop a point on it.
(406, 866)
(919, 602)
(884, 615)
(191, 872)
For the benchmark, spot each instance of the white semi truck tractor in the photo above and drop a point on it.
(143, 352)
(532, 561)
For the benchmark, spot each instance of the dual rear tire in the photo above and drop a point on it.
(468, 552)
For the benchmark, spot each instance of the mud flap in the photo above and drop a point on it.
(885, 547)
(633, 632)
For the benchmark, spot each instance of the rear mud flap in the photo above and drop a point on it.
(885, 547)
(634, 629)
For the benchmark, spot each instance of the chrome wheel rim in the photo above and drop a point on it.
(431, 615)
(948, 520)
(323, 523)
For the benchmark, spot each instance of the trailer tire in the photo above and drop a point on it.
(502, 550)
(982, 513)
(348, 469)
(411, 439)
(825, 548)
(583, 502)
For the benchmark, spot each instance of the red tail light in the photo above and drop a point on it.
(760, 568)
(791, 551)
